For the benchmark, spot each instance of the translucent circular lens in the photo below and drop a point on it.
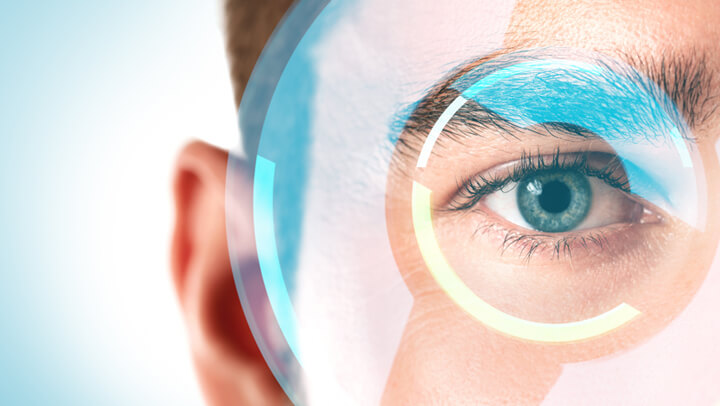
(443, 215)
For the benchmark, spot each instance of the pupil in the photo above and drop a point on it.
(555, 197)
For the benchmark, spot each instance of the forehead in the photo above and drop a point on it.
(651, 25)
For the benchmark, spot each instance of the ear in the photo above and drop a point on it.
(230, 366)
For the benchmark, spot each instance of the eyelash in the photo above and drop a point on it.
(473, 190)
(529, 244)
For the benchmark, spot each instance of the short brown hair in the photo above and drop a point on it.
(248, 26)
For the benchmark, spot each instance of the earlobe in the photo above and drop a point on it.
(231, 367)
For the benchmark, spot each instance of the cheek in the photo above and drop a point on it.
(655, 269)
(445, 357)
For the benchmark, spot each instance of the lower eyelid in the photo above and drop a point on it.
(527, 244)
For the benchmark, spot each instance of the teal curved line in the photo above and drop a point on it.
(270, 268)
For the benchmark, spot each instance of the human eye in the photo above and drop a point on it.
(555, 203)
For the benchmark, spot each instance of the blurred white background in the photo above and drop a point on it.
(96, 98)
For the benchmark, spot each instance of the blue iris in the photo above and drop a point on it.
(554, 201)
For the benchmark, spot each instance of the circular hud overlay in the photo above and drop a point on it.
(438, 217)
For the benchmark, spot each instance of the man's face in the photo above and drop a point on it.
(547, 223)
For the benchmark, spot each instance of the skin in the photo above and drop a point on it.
(446, 356)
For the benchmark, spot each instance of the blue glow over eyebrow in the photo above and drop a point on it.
(596, 98)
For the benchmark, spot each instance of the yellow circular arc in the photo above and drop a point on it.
(513, 326)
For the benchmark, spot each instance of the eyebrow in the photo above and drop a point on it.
(683, 77)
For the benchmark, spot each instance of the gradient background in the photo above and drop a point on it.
(96, 98)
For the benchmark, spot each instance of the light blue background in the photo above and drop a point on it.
(95, 100)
